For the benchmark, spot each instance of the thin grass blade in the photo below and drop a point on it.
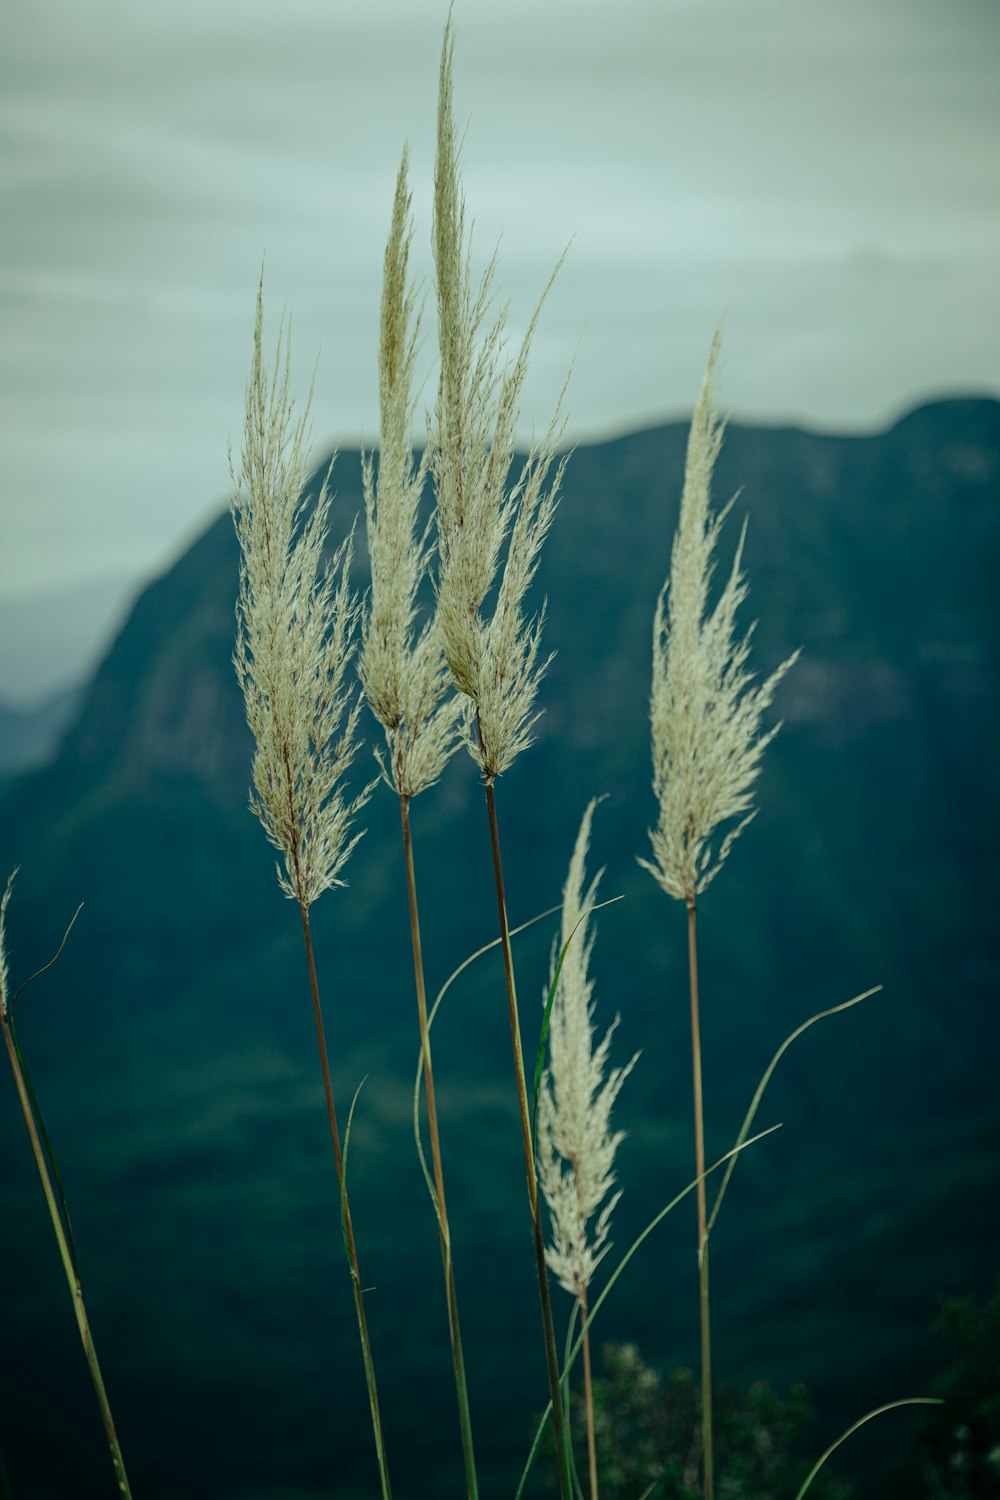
(547, 1016)
(56, 955)
(891, 1406)
(343, 1174)
(765, 1080)
(419, 1079)
(570, 1333)
(578, 1342)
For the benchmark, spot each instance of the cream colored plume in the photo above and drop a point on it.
(482, 515)
(705, 710)
(576, 1145)
(404, 673)
(296, 622)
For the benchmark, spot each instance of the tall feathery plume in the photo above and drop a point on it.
(576, 1145)
(55, 1202)
(294, 643)
(294, 640)
(404, 673)
(495, 661)
(707, 745)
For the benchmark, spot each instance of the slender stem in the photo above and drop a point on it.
(588, 1396)
(588, 1389)
(352, 1253)
(71, 1276)
(699, 1153)
(573, 1348)
(551, 1357)
(458, 1358)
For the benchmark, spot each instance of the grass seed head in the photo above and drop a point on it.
(488, 526)
(295, 638)
(705, 710)
(576, 1145)
(404, 674)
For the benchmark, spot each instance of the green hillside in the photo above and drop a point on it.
(173, 1053)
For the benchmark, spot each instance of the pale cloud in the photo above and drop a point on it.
(825, 177)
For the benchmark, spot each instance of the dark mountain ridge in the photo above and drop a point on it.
(172, 1051)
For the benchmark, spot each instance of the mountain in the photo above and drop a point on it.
(171, 1045)
(56, 637)
(29, 736)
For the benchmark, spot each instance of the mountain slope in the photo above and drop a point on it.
(171, 1045)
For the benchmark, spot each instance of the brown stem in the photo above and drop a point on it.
(588, 1397)
(699, 1154)
(72, 1278)
(551, 1358)
(352, 1253)
(588, 1389)
(458, 1358)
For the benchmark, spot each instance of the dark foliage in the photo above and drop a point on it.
(648, 1431)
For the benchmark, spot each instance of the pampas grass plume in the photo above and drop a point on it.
(296, 623)
(704, 708)
(577, 1146)
(406, 680)
(495, 660)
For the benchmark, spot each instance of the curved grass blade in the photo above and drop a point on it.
(765, 1080)
(891, 1406)
(578, 1342)
(546, 1018)
(573, 1474)
(57, 954)
(359, 1303)
(343, 1173)
(564, 1387)
(422, 1155)
(570, 1330)
(419, 1081)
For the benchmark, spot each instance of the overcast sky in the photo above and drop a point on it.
(823, 176)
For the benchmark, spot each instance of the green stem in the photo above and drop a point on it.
(551, 1357)
(588, 1396)
(352, 1253)
(699, 1152)
(588, 1387)
(574, 1347)
(458, 1358)
(72, 1278)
